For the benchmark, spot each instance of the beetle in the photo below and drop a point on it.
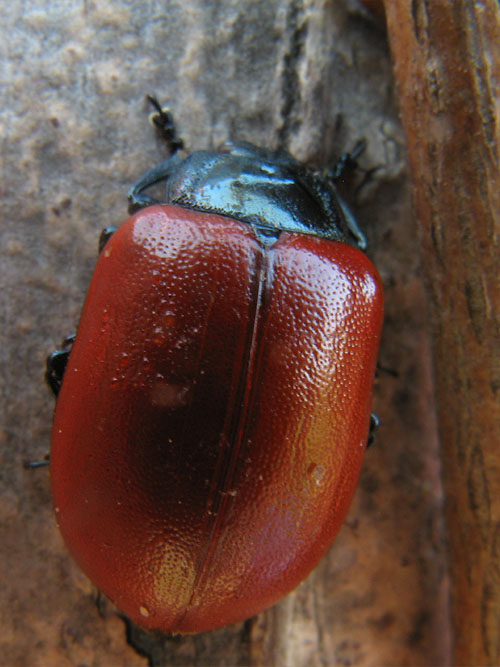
(214, 408)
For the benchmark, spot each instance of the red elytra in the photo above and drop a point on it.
(214, 415)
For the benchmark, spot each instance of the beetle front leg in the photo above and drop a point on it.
(348, 162)
(158, 174)
(352, 223)
(164, 123)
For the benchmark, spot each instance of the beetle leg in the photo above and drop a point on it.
(56, 364)
(334, 206)
(374, 424)
(54, 372)
(106, 234)
(387, 371)
(345, 163)
(37, 464)
(164, 123)
(155, 175)
(352, 223)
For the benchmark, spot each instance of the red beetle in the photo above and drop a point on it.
(215, 406)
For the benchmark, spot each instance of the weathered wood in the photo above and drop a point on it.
(447, 64)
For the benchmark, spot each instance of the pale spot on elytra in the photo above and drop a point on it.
(167, 395)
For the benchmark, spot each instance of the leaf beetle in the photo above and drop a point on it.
(213, 409)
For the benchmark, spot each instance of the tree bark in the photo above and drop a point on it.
(447, 65)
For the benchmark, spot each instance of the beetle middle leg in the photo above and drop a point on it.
(54, 373)
(348, 162)
(56, 364)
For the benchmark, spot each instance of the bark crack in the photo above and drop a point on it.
(296, 28)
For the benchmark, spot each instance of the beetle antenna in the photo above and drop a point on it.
(163, 120)
(347, 161)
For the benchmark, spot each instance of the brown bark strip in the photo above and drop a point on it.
(447, 64)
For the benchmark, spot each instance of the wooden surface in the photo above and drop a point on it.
(313, 77)
(447, 64)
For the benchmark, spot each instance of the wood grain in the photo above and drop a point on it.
(447, 65)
